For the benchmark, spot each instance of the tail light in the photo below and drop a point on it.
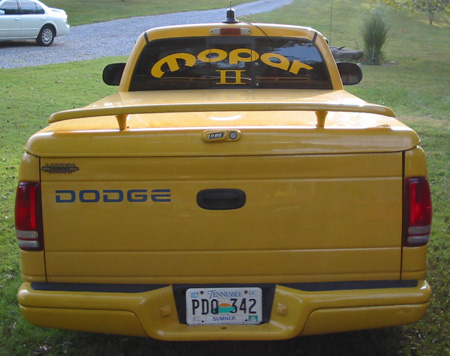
(230, 31)
(29, 216)
(418, 212)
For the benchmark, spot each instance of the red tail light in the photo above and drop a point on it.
(230, 31)
(418, 212)
(29, 216)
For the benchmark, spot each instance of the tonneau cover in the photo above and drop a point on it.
(262, 132)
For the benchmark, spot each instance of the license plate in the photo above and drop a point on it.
(206, 306)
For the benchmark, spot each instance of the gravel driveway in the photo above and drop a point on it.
(113, 38)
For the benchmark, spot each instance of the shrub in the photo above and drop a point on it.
(375, 32)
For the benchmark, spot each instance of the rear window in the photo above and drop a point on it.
(230, 62)
(29, 7)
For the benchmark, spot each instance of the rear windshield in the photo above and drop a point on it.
(230, 62)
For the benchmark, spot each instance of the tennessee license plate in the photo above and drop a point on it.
(206, 306)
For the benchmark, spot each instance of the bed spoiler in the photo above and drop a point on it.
(122, 112)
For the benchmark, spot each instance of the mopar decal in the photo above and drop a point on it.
(113, 196)
(235, 57)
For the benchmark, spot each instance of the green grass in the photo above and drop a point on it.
(415, 86)
(88, 11)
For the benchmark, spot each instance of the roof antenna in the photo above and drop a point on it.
(230, 15)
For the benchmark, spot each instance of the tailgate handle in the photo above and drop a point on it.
(221, 199)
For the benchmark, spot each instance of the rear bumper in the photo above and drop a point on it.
(62, 29)
(152, 311)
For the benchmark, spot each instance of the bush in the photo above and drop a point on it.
(375, 32)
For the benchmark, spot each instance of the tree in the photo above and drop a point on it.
(428, 7)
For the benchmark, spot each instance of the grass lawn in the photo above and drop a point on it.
(84, 11)
(415, 85)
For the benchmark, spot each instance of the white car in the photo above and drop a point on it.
(31, 19)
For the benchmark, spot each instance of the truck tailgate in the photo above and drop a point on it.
(267, 218)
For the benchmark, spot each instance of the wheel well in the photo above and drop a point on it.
(50, 25)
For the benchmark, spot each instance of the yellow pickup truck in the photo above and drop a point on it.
(230, 190)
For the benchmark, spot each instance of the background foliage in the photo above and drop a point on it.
(374, 35)
(428, 7)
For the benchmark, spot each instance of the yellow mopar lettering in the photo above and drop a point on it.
(236, 55)
(224, 76)
(172, 62)
(205, 55)
(283, 64)
(296, 66)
